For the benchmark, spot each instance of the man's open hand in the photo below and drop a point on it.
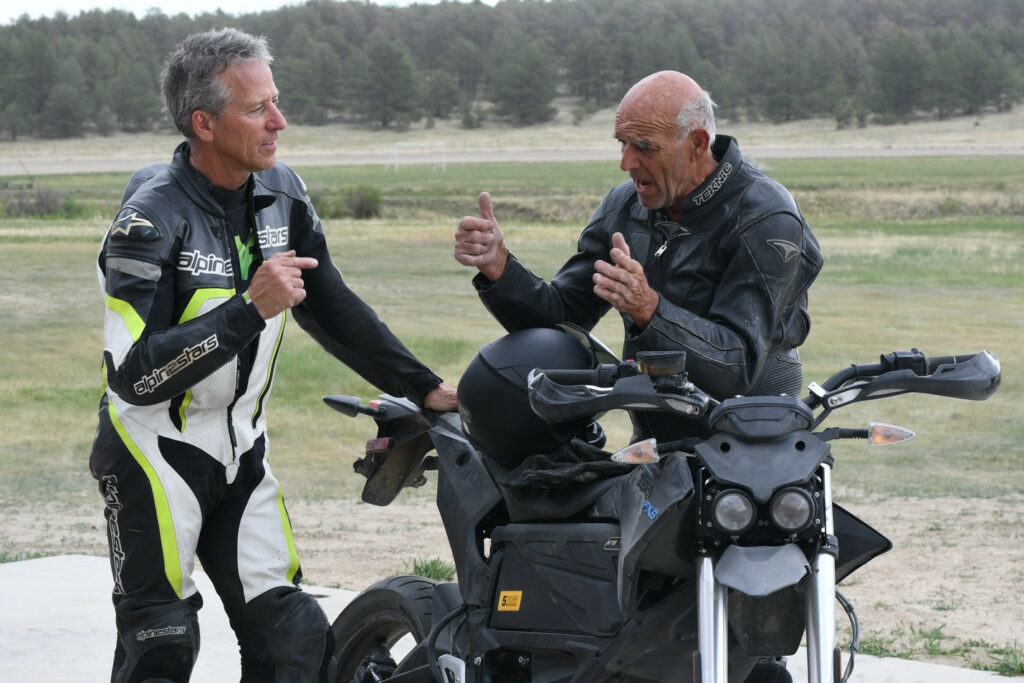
(623, 284)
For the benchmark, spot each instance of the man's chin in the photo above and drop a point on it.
(649, 203)
(266, 162)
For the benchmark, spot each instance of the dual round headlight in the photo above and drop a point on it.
(734, 512)
(791, 509)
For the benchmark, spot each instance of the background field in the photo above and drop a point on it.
(923, 252)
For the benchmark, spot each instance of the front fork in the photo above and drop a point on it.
(712, 624)
(821, 598)
(713, 610)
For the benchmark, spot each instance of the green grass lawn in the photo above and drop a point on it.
(939, 270)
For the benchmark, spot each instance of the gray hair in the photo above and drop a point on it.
(190, 80)
(699, 112)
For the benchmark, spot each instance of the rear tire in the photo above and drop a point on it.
(389, 611)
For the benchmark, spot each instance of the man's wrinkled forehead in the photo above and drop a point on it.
(633, 123)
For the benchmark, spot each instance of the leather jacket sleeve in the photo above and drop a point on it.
(727, 345)
(149, 356)
(347, 327)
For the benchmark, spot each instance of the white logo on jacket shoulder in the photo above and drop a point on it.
(272, 237)
(786, 249)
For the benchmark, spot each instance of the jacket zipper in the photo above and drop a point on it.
(671, 231)
(235, 265)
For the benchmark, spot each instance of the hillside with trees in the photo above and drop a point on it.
(855, 61)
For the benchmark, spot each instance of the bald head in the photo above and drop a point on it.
(672, 98)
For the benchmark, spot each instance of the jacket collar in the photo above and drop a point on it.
(199, 188)
(717, 185)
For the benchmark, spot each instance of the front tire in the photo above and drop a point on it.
(392, 612)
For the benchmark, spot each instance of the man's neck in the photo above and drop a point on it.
(205, 164)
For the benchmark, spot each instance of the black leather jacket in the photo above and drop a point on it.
(186, 354)
(732, 277)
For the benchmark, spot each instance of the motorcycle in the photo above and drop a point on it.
(688, 560)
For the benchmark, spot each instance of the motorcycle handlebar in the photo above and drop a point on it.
(969, 376)
(938, 361)
(603, 375)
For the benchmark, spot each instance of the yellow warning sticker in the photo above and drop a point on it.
(509, 601)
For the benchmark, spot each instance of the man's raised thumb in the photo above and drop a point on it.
(486, 212)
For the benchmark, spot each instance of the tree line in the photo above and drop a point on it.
(388, 67)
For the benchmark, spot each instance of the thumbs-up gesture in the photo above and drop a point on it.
(480, 243)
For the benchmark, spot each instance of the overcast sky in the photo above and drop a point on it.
(9, 11)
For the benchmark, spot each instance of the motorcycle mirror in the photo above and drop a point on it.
(351, 406)
(601, 352)
(638, 453)
(881, 434)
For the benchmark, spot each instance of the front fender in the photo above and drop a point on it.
(761, 570)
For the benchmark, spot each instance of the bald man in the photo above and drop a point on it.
(697, 251)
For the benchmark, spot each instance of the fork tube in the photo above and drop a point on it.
(821, 617)
(712, 634)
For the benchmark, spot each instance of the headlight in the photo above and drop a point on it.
(791, 510)
(733, 512)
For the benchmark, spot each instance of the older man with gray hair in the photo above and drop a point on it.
(697, 251)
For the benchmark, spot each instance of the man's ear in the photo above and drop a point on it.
(202, 125)
(700, 141)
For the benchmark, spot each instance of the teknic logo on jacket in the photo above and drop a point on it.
(716, 184)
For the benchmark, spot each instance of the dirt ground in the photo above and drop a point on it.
(949, 592)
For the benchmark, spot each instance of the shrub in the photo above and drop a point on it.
(364, 201)
(42, 202)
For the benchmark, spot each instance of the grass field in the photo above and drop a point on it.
(918, 253)
(921, 275)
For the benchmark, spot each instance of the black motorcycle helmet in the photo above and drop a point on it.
(493, 403)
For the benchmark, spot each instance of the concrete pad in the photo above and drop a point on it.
(58, 625)
(58, 622)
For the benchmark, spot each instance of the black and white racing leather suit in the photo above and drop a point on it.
(180, 452)
(732, 275)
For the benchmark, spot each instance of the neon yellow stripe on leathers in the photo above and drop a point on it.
(200, 297)
(270, 369)
(286, 526)
(168, 541)
(132, 320)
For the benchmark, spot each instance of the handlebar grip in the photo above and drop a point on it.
(915, 361)
(602, 376)
(937, 361)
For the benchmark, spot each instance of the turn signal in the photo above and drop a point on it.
(638, 453)
(881, 434)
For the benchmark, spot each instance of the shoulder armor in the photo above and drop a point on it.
(132, 226)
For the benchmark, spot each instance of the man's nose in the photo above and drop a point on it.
(277, 121)
(628, 160)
